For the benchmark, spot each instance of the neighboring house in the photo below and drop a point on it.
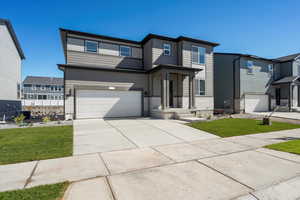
(11, 56)
(158, 76)
(43, 95)
(247, 83)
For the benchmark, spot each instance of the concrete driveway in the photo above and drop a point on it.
(96, 135)
(145, 159)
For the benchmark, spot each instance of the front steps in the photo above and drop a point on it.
(188, 115)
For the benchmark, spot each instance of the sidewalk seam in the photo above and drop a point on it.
(226, 175)
(31, 174)
(122, 134)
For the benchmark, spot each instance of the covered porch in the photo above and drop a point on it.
(172, 90)
(287, 93)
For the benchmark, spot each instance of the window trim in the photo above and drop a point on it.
(271, 71)
(130, 51)
(199, 92)
(198, 55)
(170, 49)
(91, 41)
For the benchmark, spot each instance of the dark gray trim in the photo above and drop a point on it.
(92, 67)
(100, 54)
(178, 39)
(175, 67)
(97, 36)
(13, 36)
(64, 32)
(247, 56)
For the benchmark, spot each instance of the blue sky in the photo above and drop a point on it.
(261, 27)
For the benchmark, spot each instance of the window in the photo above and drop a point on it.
(200, 87)
(198, 55)
(125, 51)
(18, 91)
(270, 69)
(167, 49)
(249, 66)
(91, 46)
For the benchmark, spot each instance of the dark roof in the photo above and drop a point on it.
(63, 33)
(247, 56)
(180, 38)
(176, 67)
(285, 80)
(13, 36)
(95, 67)
(98, 36)
(288, 58)
(40, 80)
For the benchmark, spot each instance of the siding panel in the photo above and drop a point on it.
(82, 58)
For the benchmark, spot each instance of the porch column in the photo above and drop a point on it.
(191, 91)
(290, 100)
(164, 90)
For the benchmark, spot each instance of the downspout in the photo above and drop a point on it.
(234, 82)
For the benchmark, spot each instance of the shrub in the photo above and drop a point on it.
(46, 119)
(19, 119)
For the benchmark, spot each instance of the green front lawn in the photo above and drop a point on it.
(290, 146)
(234, 127)
(27, 144)
(44, 192)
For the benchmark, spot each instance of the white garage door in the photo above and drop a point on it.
(256, 103)
(108, 103)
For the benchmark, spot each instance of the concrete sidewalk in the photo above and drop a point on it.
(211, 168)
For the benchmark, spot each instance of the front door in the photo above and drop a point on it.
(171, 94)
(277, 94)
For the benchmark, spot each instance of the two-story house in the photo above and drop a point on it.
(43, 95)
(158, 76)
(11, 56)
(248, 83)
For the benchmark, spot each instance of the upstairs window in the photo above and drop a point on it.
(200, 87)
(198, 55)
(249, 65)
(167, 49)
(91, 46)
(271, 69)
(125, 51)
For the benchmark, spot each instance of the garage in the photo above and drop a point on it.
(256, 103)
(108, 103)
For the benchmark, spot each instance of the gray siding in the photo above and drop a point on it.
(223, 81)
(10, 108)
(157, 53)
(257, 82)
(105, 79)
(207, 69)
(147, 55)
(10, 66)
(108, 54)
(82, 58)
(286, 69)
(296, 67)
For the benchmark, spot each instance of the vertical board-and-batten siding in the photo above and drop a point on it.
(207, 69)
(107, 55)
